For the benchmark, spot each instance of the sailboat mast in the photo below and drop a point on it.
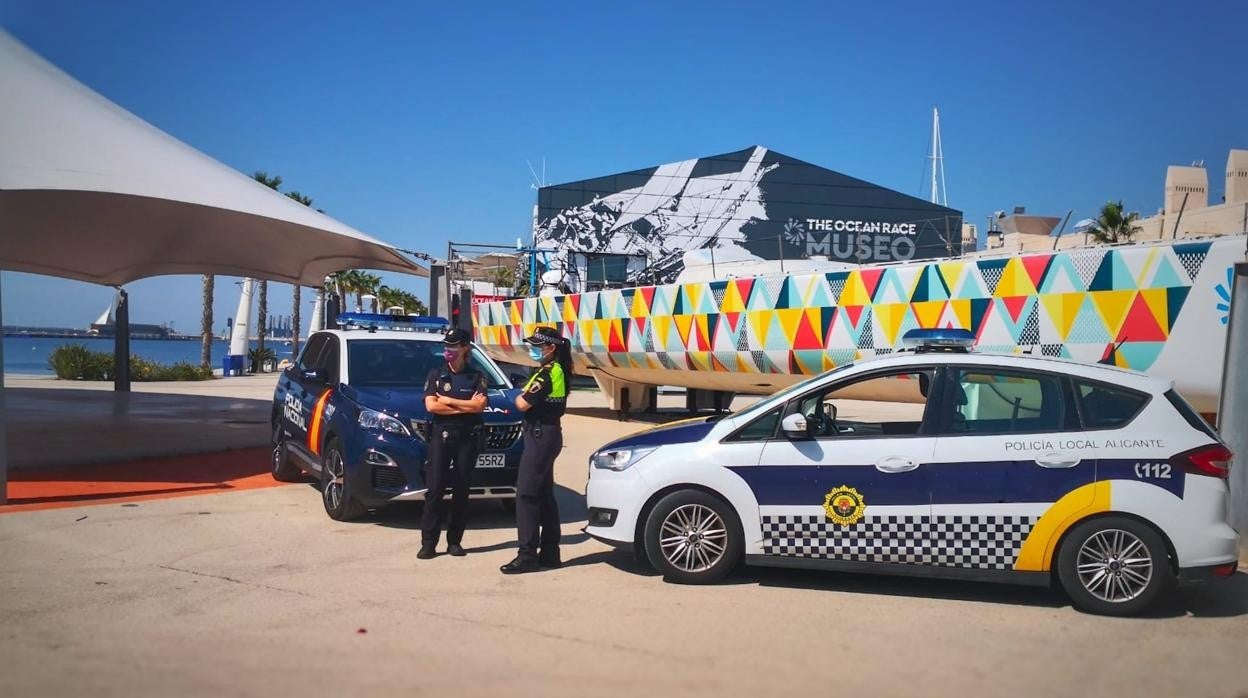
(939, 194)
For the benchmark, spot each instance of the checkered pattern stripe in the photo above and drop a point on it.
(977, 542)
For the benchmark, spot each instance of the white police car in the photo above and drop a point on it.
(989, 467)
(351, 411)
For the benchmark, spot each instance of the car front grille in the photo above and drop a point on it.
(501, 436)
(498, 437)
(387, 478)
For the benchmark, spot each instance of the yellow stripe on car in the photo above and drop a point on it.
(1037, 552)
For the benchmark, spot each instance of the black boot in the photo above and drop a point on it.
(551, 560)
(519, 566)
(427, 552)
(455, 549)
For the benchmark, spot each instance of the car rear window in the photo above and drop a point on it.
(1190, 414)
(1104, 406)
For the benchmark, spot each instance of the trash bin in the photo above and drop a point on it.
(232, 365)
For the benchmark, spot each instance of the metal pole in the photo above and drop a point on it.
(780, 244)
(4, 454)
(121, 343)
(1233, 405)
(1062, 229)
(1180, 217)
(713, 274)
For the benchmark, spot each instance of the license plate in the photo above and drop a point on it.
(491, 460)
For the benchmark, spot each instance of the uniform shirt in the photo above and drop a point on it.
(547, 392)
(461, 386)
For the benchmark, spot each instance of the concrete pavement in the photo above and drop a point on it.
(259, 593)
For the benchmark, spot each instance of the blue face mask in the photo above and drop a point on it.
(535, 353)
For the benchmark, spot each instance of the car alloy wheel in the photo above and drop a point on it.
(334, 480)
(1114, 565)
(693, 538)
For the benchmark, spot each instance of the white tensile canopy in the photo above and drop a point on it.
(88, 191)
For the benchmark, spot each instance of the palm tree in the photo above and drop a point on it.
(388, 297)
(205, 328)
(262, 310)
(1112, 226)
(296, 293)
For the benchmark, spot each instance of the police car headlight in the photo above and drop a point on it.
(381, 421)
(618, 459)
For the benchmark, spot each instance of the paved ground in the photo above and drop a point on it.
(258, 593)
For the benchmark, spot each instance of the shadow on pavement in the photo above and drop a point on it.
(483, 514)
(1226, 598)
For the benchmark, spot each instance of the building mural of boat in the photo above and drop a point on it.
(1155, 307)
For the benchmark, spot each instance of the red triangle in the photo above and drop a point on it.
(616, 343)
(806, 337)
(744, 286)
(575, 299)
(1140, 325)
(871, 278)
(699, 336)
(647, 294)
(733, 320)
(569, 329)
(854, 312)
(639, 328)
(1035, 266)
(1014, 305)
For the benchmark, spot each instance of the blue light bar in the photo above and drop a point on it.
(382, 321)
(939, 340)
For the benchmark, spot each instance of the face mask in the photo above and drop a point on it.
(535, 353)
(451, 355)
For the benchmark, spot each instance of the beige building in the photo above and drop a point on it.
(1198, 219)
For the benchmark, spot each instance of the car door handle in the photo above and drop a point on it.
(895, 464)
(1058, 460)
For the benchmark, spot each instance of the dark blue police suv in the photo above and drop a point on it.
(351, 412)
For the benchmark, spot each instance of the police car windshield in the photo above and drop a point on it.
(406, 363)
(781, 396)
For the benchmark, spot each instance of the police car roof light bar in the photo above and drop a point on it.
(924, 340)
(382, 321)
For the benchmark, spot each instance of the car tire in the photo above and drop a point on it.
(1114, 566)
(693, 537)
(283, 470)
(336, 495)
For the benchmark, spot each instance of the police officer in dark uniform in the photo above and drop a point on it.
(455, 395)
(543, 401)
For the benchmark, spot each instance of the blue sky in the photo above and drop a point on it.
(413, 121)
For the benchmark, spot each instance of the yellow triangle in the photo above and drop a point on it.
(1155, 299)
(743, 366)
(569, 315)
(1062, 309)
(693, 294)
(855, 292)
(789, 319)
(828, 363)
(701, 359)
(639, 308)
(704, 328)
(928, 313)
(952, 272)
(732, 300)
(1014, 280)
(815, 317)
(1112, 307)
(760, 321)
(515, 313)
(662, 326)
(890, 317)
(683, 323)
(962, 311)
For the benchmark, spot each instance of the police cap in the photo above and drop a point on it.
(457, 338)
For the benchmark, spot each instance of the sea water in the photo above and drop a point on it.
(29, 355)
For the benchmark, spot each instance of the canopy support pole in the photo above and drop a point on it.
(121, 343)
(1233, 408)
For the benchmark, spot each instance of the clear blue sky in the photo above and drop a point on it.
(413, 121)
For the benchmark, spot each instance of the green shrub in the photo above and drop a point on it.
(76, 362)
(258, 357)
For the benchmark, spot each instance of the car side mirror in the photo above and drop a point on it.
(794, 426)
(314, 375)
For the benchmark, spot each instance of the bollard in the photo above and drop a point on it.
(1233, 405)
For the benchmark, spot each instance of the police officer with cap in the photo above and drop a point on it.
(455, 395)
(543, 401)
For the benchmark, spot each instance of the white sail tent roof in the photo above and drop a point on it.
(89, 191)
